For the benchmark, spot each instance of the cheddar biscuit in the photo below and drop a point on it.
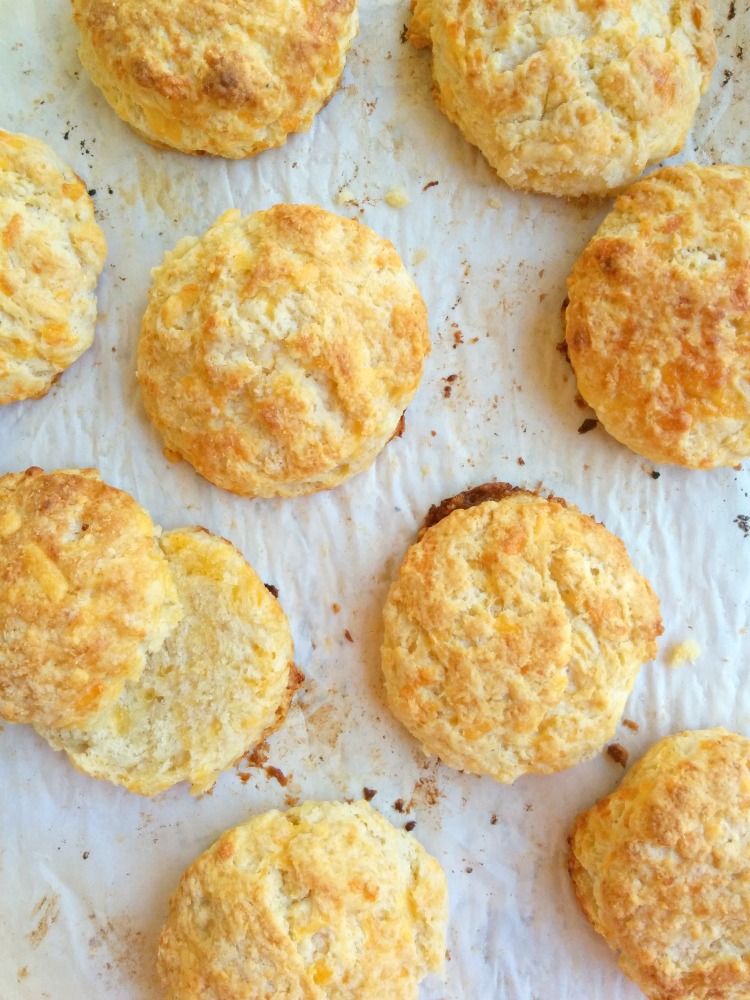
(514, 633)
(279, 350)
(221, 682)
(203, 76)
(660, 867)
(326, 901)
(658, 323)
(51, 254)
(570, 98)
(86, 595)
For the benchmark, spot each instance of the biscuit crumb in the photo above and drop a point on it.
(397, 197)
(346, 197)
(618, 753)
(630, 724)
(419, 256)
(685, 652)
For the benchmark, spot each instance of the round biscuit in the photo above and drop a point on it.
(326, 901)
(514, 633)
(279, 350)
(569, 98)
(660, 868)
(51, 254)
(204, 76)
(86, 595)
(221, 683)
(658, 322)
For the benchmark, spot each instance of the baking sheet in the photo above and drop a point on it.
(86, 868)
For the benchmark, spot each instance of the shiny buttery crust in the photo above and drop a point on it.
(222, 681)
(573, 97)
(513, 635)
(279, 350)
(51, 254)
(204, 76)
(661, 868)
(326, 901)
(86, 595)
(658, 324)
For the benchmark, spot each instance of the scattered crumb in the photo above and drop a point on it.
(397, 197)
(685, 652)
(618, 753)
(272, 590)
(348, 635)
(419, 256)
(369, 794)
(588, 425)
(335, 608)
(410, 825)
(493, 819)
(345, 197)
(630, 724)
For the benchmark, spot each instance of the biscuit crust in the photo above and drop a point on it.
(222, 681)
(513, 635)
(51, 254)
(87, 593)
(658, 323)
(568, 98)
(661, 868)
(279, 351)
(326, 901)
(202, 76)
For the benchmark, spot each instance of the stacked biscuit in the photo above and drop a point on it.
(149, 658)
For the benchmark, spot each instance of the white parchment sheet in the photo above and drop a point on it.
(86, 868)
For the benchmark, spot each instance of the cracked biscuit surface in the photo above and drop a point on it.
(204, 76)
(51, 254)
(222, 681)
(514, 633)
(279, 351)
(326, 901)
(86, 595)
(658, 322)
(660, 867)
(569, 97)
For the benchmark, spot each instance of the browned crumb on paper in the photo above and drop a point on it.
(630, 724)
(46, 913)
(618, 753)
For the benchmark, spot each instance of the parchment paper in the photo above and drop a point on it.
(86, 868)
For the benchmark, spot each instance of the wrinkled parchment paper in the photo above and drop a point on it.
(86, 868)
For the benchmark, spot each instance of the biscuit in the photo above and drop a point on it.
(514, 633)
(51, 254)
(571, 98)
(86, 595)
(203, 76)
(279, 350)
(326, 901)
(658, 323)
(222, 681)
(660, 868)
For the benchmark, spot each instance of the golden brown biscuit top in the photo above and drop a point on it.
(513, 634)
(260, 58)
(658, 324)
(278, 351)
(51, 253)
(662, 867)
(326, 901)
(85, 590)
(570, 97)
